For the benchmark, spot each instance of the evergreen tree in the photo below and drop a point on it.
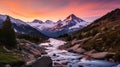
(8, 37)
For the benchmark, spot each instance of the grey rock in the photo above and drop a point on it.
(44, 61)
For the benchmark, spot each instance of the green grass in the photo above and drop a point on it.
(9, 58)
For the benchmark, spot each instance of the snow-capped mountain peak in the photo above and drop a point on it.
(49, 22)
(72, 20)
(71, 17)
(59, 21)
(37, 21)
(68, 25)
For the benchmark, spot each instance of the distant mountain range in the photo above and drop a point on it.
(20, 26)
(54, 29)
(48, 28)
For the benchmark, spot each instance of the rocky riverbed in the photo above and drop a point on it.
(63, 58)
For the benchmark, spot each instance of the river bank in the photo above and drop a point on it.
(63, 58)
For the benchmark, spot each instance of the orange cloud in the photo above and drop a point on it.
(28, 10)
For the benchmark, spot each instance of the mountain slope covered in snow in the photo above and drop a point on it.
(55, 29)
(21, 26)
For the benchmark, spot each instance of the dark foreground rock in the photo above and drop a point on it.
(44, 61)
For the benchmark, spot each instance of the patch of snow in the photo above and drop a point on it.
(15, 30)
(41, 26)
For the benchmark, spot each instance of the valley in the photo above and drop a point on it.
(71, 42)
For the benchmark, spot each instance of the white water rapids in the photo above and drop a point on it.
(72, 59)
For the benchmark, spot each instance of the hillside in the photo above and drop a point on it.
(18, 50)
(103, 34)
(8, 41)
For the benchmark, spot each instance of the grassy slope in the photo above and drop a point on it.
(9, 58)
(105, 33)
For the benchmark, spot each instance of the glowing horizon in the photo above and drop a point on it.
(28, 10)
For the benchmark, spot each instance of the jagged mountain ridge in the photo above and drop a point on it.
(48, 28)
(54, 29)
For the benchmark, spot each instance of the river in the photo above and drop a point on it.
(68, 59)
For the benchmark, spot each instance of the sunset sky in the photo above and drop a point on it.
(28, 10)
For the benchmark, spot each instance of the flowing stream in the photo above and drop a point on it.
(68, 59)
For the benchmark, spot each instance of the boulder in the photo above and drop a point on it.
(90, 52)
(115, 27)
(44, 61)
(103, 28)
(74, 47)
(80, 42)
(57, 64)
(79, 50)
(73, 41)
(64, 63)
(98, 55)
